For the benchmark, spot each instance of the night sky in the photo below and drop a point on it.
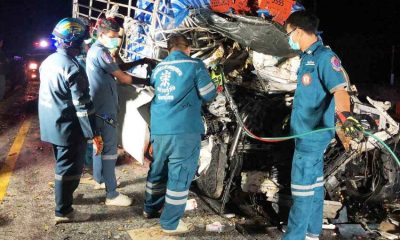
(364, 44)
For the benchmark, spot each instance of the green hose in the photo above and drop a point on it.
(385, 145)
(323, 130)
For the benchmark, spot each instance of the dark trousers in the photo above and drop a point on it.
(68, 170)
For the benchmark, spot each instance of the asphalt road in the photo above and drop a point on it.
(27, 194)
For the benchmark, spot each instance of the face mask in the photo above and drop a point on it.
(111, 43)
(293, 45)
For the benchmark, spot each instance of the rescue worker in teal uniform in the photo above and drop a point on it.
(182, 84)
(319, 95)
(66, 115)
(102, 71)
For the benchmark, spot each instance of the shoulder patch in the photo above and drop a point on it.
(336, 64)
(107, 57)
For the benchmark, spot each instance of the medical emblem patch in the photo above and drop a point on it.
(306, 79)
(336, 65)
(107, 57)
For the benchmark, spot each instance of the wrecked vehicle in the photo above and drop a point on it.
(255, 71)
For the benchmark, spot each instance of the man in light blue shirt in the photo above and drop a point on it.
(102, 70)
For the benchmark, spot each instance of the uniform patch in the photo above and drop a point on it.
(107, 57)
(166, 89)
(336, 65)
(306, 79)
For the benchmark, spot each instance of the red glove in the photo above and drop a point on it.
(98, 144)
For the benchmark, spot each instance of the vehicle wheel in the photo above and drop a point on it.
(382, 181)
(211, 181)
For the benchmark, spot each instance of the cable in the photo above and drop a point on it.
(384, 145)
(280, 139)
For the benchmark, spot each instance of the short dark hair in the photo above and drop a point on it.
(177, 40)
(304, 20)
(106, 25)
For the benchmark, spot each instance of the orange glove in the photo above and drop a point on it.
(98, 144)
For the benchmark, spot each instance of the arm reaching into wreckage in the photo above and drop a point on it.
(129, 79)
(205, 86)
(334, 80)
(129, 65)
(125, 78)
(351, 126)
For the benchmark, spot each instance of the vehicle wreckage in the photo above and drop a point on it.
(255, 71)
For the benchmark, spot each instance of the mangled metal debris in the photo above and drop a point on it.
(255, 72)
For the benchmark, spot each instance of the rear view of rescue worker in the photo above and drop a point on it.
(319, 95)
(182, 84)
(101, 69)
(66, 114)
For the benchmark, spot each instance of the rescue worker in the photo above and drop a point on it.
(66, 115)
(101, 69)
(182, 84)
(320, 93)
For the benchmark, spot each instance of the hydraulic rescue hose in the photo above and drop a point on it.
(281, 139)
(286, 138)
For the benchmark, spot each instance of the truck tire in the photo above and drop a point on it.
(211, 181)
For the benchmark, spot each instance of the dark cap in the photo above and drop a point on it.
(108, 24)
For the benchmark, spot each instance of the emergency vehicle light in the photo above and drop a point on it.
(33, 66)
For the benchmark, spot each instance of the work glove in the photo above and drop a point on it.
(352, 127)
(217, 77)
(98, 144)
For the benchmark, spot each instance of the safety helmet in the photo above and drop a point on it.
(70, 30)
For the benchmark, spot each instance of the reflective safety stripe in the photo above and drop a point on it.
(332, 90)
(207, 89)
(320, 184)
(177, 61)
(90, 141)
(84, 113)
(155, 184)
(175, 202)
(155, 191)
(109, 157)
(307, 187)
(81, 103)
(66, 178)
(312, 236)
(320, 179)
(177, 194)
(303, 194)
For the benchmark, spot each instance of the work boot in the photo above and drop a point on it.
(121, 201)
(181, 229)
(99, 186)
(74, 216)
(151, 215)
